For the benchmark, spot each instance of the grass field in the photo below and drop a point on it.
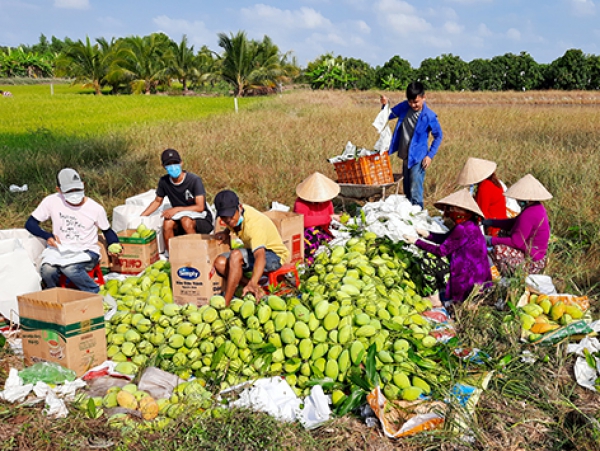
(263, 152)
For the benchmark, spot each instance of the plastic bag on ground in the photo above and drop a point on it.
(48, 372)
(404, 418)
(316, 409)
(158, 383)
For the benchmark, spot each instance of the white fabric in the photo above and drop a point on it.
(63, 256)
(188, 214)
(76, 227)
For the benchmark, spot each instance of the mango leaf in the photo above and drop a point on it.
(217, 357)
(352, 401)
(372, 374)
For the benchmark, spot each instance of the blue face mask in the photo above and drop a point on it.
(239, 223)
(522, 203)
(174, 170)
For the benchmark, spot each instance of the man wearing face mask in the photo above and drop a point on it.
(73, 244)
(263, 247)
(189, 213)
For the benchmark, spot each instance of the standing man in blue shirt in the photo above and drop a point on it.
(410, 139)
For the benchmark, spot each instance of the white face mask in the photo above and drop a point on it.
(74, 198)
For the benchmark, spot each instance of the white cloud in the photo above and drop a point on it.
(453, 28)
(513, 34)
(484, 31)
(582, 7)
(401, 17)
(196, 31)
(72, 4)
(361, 26)
(303, 18)
(440, 43)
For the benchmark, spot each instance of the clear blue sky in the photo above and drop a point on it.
(372, 30)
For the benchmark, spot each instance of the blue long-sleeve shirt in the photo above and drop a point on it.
(419, 145)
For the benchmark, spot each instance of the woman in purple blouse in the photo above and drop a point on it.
(528, 234)
(464, 245)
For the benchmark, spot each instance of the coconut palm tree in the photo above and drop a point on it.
(141, 62)
(182, 63)
(84, 62)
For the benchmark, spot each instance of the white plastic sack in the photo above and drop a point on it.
(316, 409)
(540, 283)
(381, 125)
(32, 244)
(18, 275)
(129, 217)
(144, 199)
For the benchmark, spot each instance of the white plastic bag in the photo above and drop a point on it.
(18, 275)
(32, 244)
(381, 125)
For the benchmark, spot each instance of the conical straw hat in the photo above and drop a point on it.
(528, 188)
(317, 188)
(462, 199)
(475, 170)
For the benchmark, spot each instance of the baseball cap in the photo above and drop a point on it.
(68, 179)
(170, 156)
(226, 203)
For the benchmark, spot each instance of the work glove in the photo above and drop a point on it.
(422, 232)
(488, 240)
(410, 239)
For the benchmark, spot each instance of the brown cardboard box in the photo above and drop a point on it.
(63, 326)
(193, 276)
(138, 253)
(291, 228)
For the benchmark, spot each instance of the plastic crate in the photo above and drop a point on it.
(369, 170)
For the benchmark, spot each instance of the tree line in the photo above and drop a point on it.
(147, 64)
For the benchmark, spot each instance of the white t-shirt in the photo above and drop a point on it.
(76, 227)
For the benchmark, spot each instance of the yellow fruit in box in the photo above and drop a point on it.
(533, 309)
(527, 321)
(533, 298)
(574, 311)
(542, 319)
(557, 311)
(546, 305)
(542, 328)
(566, 319)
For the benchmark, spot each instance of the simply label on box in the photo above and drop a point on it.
(137, 255)
(193, 276)
(291, 228)
(63, 326)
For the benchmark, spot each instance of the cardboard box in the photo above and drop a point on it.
(193, 276)
(291, 228)
(138, 253)
(63, 326)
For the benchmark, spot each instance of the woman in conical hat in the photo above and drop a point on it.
(528, 234)
(464, 246)
(489, 192)
(314, 202)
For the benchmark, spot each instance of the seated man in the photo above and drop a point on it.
(189, 213)
(73, 244)
(263, 247)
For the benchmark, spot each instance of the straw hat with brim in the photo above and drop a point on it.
(317, 188)
(528, 188)
(475, 170)
(462, 199)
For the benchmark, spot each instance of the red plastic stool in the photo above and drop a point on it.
(276, 277)
(95, 274)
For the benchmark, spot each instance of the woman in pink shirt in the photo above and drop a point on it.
(526, 245)
(314, 202)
